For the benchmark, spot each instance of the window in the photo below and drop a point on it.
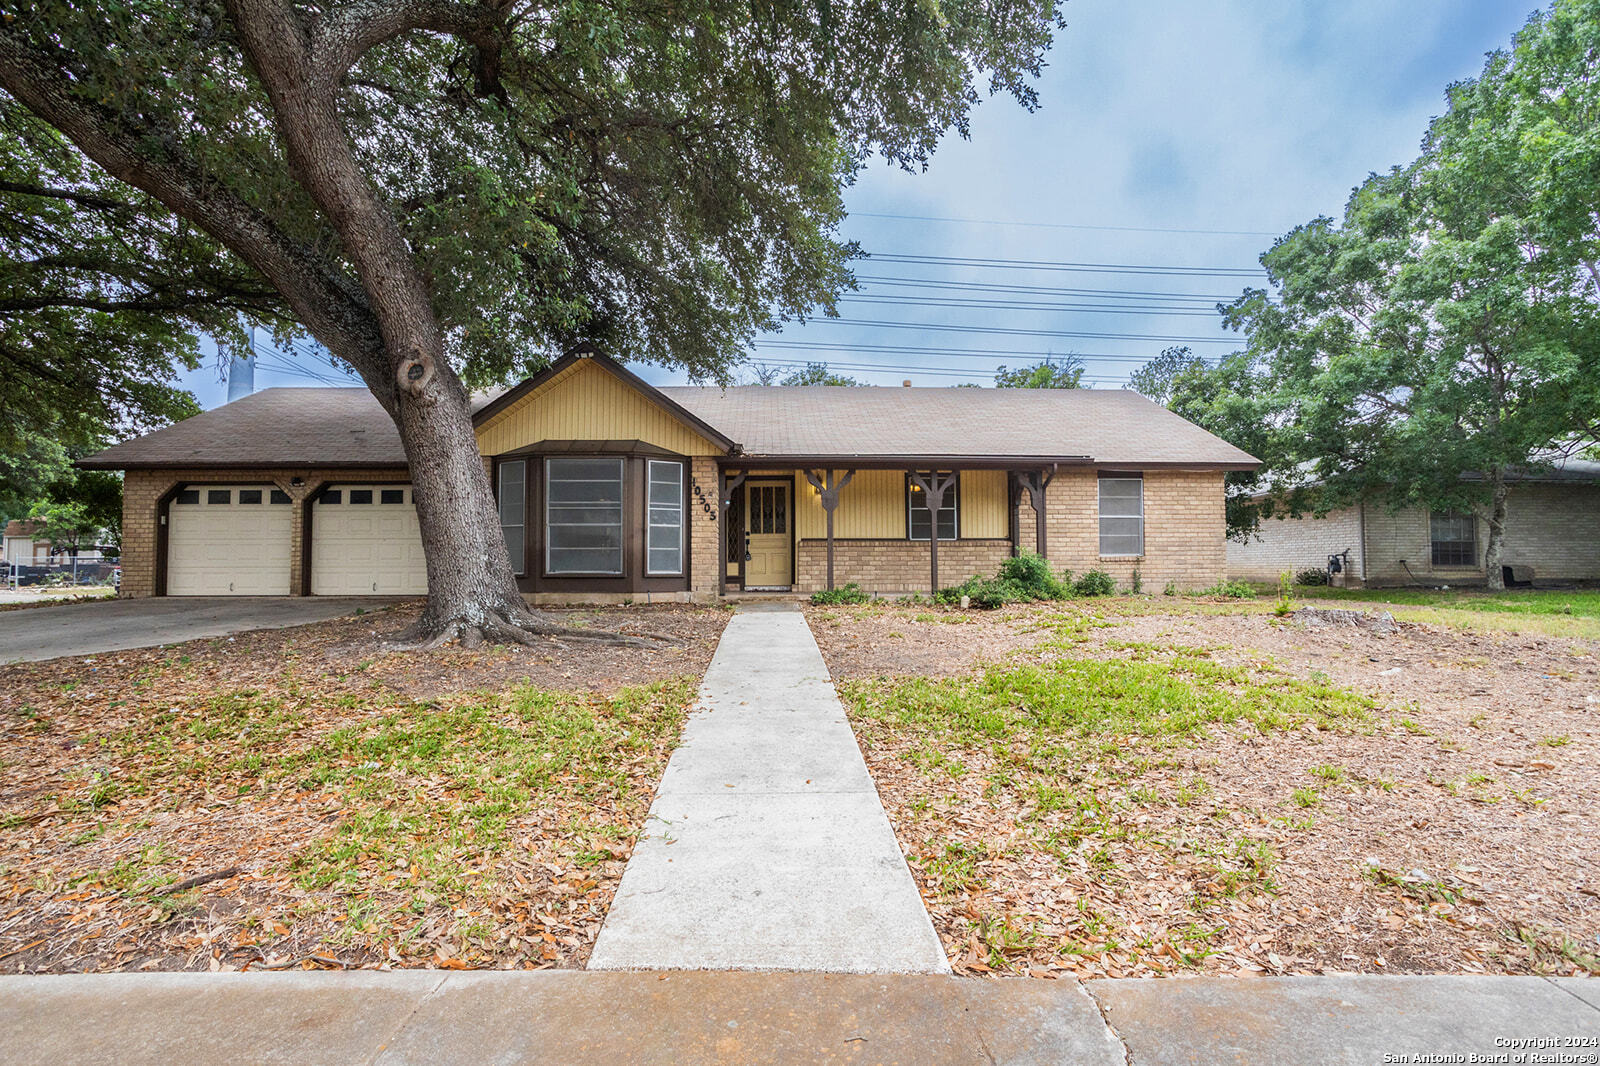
(360, 495)
(583, 516)
(769, 509)
(392, 496)
(249, 495)
(189, 496)
(219, 495)
(513, 505)
(1122, 516)
(1455, 538)
(917, 519)
(664, 543)
(332, 496)
(279, 496)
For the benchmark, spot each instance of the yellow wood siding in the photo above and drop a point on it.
(585, 402)
(873, 506)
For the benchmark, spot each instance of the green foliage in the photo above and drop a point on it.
(818, 374)
(1157, 379)
(851, 593)
(1449, 322)
(1285, 604)
(1021, 578)
(1312, 576)
(1095, 583)
(1055, 372)
(1136, 582)
(1229, 590)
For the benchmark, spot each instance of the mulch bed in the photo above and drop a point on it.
(1463, 835)
(201, 868)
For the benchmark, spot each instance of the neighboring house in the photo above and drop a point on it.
(21, 547)
(1552, 534)
(610, 488)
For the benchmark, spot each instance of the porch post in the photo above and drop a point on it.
(934, 487)
(828, 492)
(1036, 482)
(725, 493)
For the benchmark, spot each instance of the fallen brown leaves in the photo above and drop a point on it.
(300, 799)
(1457, 833)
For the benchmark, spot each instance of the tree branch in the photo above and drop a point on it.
(348, 32)
(85, 199)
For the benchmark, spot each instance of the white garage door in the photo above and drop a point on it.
(228, 540)
(365, 540)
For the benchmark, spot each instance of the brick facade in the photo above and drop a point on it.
(705, 532)
(897, 567)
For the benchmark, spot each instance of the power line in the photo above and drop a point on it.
(1062, 225)
(967, 353)
(887, 368)
(1026, 305)
(1011, 331)
(1046, 264)
(1045, 290)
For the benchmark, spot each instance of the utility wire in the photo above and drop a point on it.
(1049, 264)
(967, 353)
(1010, 331)
(1046, 290)
(1062, 225)
(1026, 305)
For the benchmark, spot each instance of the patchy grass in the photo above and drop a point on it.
(1550, 612)
(349, 827)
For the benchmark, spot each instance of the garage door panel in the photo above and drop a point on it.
(217, 546)
(366, 548)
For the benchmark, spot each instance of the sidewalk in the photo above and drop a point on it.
(767, 847)
(570, 1018)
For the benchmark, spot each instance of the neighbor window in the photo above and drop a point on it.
(1122, 516)
(583, 516)
(1455, 538)
(664, 547)
(918, 521)
(513, 504)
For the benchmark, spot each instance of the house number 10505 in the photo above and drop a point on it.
(705, 504)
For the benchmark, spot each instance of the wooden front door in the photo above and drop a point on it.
(768, 537)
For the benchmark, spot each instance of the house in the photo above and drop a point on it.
(1552, 534)
(21, 547)
(610, 488)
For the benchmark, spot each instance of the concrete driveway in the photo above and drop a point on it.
(76, 629)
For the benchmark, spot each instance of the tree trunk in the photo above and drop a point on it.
(1494, 578)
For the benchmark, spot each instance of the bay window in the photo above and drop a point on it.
(664, 518)
(583, 516)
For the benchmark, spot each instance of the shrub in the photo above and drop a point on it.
(1229, 590)
(1095, 583)
(1171, 589)
(851, 593)
(1020, 579)
(1136, 585)
(1312, 575)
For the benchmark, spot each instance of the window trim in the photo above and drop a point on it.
(683, 515)
(1434, 543)
(519, 564)
(1101, 516)
(954, 506)
(622, 518)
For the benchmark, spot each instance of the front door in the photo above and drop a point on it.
(768, 540)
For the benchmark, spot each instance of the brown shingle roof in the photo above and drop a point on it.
(347, 427)
(1107, 426)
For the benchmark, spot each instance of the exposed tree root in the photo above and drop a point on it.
(507, 625)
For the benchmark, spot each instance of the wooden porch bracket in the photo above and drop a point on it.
(724, 501)
(828, 491)
(934, 487)
(1036, 482)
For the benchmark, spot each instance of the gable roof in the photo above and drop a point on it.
(346, 427)
(1103, 426)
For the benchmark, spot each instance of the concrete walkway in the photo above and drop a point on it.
(767, 847)
(101, 626)
(429, 1018)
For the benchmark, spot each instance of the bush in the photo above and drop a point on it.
(1095, 583)
(1229, 590)
(851, 593)
(1020, 579)
(1312, 575)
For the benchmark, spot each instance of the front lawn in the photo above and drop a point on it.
(269, 802)
(1557, 612)
(1129, 790)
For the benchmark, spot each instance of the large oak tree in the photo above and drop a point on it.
(445, 192)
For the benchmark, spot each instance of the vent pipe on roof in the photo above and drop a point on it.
(906, 384)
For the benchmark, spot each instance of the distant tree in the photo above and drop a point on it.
(1155, 379)
(1055, 372)
(446, 193)
(1448, 322)
(764, 374)
(818, 374)
(67, 526)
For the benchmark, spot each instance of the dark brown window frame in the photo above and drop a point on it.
(1452, 549)
(953, 501)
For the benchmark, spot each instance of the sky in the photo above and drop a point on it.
(1174, 136)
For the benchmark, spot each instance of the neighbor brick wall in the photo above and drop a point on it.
(142, 491)
(894, 566)
(1294, 544)
(1185, 528)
